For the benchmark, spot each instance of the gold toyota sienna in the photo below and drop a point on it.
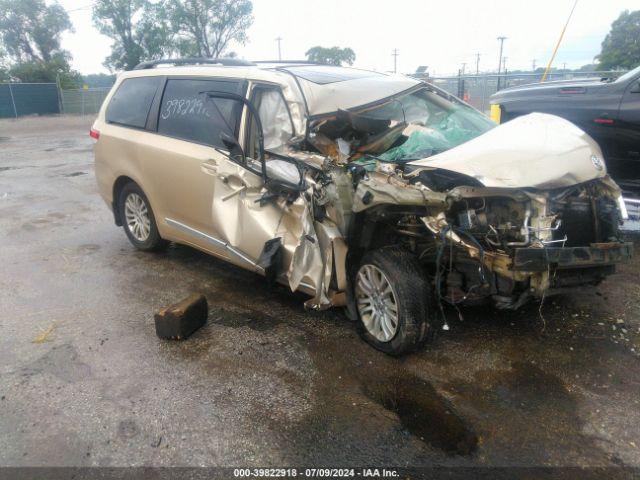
(371, 191)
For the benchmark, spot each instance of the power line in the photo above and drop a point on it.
(84, 7)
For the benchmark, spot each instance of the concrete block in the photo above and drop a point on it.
(178, 321)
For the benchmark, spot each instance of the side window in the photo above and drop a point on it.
(131, 103)
(187, 113)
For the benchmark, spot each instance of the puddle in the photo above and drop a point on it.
(63, 362)
(4, 169)
(128, 429)
(253, 319)
(425, 414)
(74, 174)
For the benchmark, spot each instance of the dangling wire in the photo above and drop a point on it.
(443, 232)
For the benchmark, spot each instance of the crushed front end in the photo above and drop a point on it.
(512, 247)
(504, 213)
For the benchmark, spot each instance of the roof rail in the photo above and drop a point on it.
(294, 62)
(226, 62)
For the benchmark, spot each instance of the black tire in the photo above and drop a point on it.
(154, 241)
(413, 300)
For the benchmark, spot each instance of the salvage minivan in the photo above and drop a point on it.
(371, 191)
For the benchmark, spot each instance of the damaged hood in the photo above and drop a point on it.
(327, 89)
(536, 151)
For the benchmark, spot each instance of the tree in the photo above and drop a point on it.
(139, 30)
(589, 67)
(4, 70)
(205, 28)
(30, 30)
(99, 80)
(331, 56)
(31, 34)
(55, 70)
(621, 46)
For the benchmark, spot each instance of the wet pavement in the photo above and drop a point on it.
(85, 381)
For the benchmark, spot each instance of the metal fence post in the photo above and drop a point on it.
(13, 101)
(484, 93)
(59, 88)
(61, 97)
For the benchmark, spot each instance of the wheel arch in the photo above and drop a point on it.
(118, 185)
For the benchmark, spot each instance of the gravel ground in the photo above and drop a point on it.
(84, 381)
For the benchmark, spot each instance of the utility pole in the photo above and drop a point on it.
(395, 60)
(464, 64)
(279, 39)
(504, 64)
(564, 66)
(533, 65)
(501, 40)
(477, 63)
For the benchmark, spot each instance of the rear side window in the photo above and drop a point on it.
(187, 113)
(132, 101)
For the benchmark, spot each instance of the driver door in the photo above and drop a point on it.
(240, 216)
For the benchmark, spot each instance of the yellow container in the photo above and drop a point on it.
(494, 114)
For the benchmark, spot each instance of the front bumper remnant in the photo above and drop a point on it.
(597, 254)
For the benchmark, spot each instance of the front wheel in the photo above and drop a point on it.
(392, 298)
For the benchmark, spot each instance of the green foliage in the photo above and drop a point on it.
(30, 35)
(56, 69)
(621, 46)
(4, 70)
(205, 28)
(589, 67)
(95, 80)
(30, 30)
(139, 30)
(331, 56)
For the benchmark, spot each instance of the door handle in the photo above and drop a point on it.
(209, 167)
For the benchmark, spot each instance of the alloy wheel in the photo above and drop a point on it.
(376, 303)
(137, 217)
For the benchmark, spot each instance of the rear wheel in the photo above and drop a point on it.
(137, 219)
(392, 298)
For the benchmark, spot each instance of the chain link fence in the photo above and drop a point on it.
(19, 99)
(83, 101)
(476, 89)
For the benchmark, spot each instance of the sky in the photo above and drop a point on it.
(439, 34)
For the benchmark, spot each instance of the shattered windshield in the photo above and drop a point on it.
(434, 124)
